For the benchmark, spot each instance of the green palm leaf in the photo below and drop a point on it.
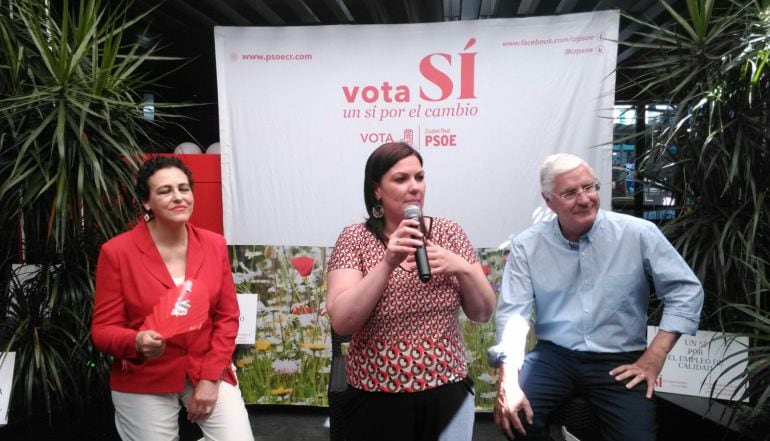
(709, 67)
(71, 136)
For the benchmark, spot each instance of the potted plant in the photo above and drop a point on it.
(71, 132)
(709, 67)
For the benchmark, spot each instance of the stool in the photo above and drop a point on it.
(337, 386)
(578, 417)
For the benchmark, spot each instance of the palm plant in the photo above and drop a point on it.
(709, 66)
(755, 325)
(71, 132)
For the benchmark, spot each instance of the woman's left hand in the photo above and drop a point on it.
(477, 297)
(441, 260)
(203, 400)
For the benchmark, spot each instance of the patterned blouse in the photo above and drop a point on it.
(412, 340)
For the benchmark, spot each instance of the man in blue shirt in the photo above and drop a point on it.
(588, 275)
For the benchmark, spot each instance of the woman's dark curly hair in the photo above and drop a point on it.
(154, 164)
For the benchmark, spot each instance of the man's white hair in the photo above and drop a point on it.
(557, 164)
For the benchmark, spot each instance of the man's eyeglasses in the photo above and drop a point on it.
(588, 189)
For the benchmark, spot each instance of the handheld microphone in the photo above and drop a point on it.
(420, 255)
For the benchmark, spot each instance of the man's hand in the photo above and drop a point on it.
(647, 368)
(642, 370)
(510, 400)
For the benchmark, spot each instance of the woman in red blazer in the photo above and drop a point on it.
(153, 376)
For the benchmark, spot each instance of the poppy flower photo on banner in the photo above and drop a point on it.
(303, 265)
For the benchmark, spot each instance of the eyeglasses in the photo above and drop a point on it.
(588, 190)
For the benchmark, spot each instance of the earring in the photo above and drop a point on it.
(378, 211)
(147, 216)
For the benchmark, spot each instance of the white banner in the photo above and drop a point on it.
(694, 366)
(301, 108)
(247, 321)
(7, 360)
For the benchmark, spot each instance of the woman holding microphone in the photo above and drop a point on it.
(406, 365)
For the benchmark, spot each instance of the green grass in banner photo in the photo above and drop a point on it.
(290, 361)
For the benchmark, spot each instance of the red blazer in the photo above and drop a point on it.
(130, 278)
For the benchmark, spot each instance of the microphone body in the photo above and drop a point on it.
(420, 255)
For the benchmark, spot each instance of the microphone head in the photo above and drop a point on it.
(412, 212)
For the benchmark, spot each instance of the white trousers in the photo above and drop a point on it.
(155, 417)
